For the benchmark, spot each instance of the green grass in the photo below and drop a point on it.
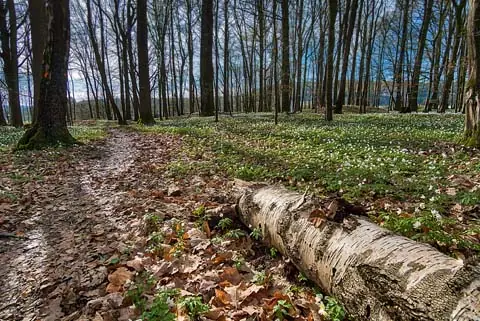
(9, 136)
(404, 159)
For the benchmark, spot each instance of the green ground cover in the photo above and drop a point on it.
(9, 136)
(408, 170)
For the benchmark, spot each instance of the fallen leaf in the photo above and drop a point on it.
(118, 279)
(222, 297)
(231, 275)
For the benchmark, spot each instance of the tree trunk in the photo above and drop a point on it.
(285, 57)
(472, 90)
(399, 79)
(191, 77)
(101, 66)
(413, 90)
(226, 59)
(50, 126)
(8, 36)
(376, 274)
(38, 26)
(3, 121)
(459, 28)
(145, 109)
(206, 62)
(346, 54)
(332, 17)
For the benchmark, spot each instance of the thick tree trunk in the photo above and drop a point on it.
(472, 90)
(38, 27)
(50, 126)
(376, 274)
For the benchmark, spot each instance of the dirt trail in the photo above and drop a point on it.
(57, 267)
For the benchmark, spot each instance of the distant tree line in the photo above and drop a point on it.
(177, 57)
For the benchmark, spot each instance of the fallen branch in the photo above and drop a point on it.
(376, 274)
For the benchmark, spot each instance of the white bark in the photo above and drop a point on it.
(376, 274)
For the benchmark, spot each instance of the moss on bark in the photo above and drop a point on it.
(39, 137)
(471, 138)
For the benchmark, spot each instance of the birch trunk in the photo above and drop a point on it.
(376, 274)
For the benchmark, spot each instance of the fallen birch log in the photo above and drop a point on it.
(376, 274)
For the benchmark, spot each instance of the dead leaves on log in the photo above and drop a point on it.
(334, 209)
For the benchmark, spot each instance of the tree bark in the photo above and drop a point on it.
(38, 26)
(459, 28)
(417, 66)
(376, 274)
(332, 17)
(3, 121)
(8, 36)
(399, 79)
(145, 109)
(226, 59)
(472, 90)
(101, 66)
(346, 54)
(285, 57)
(50, 126)
(206, 62)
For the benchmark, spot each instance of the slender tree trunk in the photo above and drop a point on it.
(414, 83)
(226, 59)
(275, 63)
(191, 77)
(399, 79)
(459, 22)
(206, 62)
(285, 57)
(8, 37)
(346, 54)
(101, 66)
(332, 17)
(3, 121)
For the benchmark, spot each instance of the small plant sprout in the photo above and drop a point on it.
(160, 308)
(235, 234)
(273, 252)
(280, 309)
(256, 234)
(194, 306)
(334, 310)
(199, 211)
(238, 261)
(225, 223)
(260, 278)
(302, 277)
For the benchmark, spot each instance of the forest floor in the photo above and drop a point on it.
(103, 232)
(139, 222)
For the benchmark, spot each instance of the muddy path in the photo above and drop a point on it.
(71, 225)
